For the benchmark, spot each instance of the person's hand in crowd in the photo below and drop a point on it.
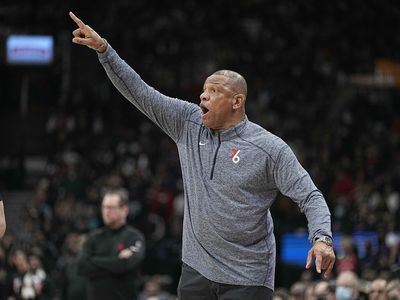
(126, 253)
(85, 35)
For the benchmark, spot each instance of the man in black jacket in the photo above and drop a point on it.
(111, 255)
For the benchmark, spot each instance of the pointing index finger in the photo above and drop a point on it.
(76, 20)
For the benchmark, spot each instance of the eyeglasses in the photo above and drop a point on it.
(110, 207)
(376, 291)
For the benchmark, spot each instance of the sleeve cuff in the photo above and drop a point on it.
(105, 56)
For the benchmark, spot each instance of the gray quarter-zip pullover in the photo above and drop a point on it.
(231, 178)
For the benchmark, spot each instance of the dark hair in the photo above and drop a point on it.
(122, 193)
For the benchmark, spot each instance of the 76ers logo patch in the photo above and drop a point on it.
(235, 155)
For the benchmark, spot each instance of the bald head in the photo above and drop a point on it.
(222, 101)
(347, 278)
(235, 81)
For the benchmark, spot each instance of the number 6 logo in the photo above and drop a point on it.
(235, 155)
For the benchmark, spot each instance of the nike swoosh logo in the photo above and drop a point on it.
(202, 143)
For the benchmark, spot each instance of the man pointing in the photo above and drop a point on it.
(232, 170)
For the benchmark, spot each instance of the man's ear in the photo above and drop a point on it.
(126, 210)
(238, 101)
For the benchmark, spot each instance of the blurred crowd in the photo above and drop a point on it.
(297, 58)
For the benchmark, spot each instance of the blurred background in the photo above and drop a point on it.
(323, 75)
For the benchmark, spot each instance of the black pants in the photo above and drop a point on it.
(194, 286)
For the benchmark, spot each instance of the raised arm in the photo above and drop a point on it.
(168, 113)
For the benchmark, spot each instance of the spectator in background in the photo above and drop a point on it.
(3, 258)
(347, 286)
(280, 294)
(324, 291)
(4, 273)
(25, 285)
(309, 292)
(347, 260)
(393, 290)
(392, 243)
(377, 289)
(73, 285)
(152, 290)
(2, 218)
(111, 255)
(37, 273)
(368, 262)
(298, 290)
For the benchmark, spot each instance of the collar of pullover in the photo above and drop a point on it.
(232, 132)
(116, 229)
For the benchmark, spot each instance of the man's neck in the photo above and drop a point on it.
(116, 226)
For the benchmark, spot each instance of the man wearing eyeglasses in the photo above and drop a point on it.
(111, 255)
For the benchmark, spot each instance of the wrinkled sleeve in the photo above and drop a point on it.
(168, 113)
(293, 181)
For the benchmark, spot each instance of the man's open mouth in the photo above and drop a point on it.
(204, 109)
